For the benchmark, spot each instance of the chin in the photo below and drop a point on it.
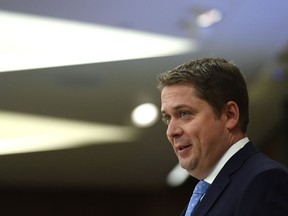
(184, 165)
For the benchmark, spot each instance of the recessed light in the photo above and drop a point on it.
(145, 115)
(208, 18)
(177, 176)
(29, 42)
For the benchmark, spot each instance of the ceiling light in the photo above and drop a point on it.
(177, 176)
(22, 133)
(29, 42)
(208, 18)
(145, 115)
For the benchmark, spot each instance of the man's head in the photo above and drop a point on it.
(215, 80)
(205, 105)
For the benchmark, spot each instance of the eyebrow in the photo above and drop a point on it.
(179, 107)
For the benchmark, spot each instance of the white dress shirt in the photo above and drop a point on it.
(231, 151)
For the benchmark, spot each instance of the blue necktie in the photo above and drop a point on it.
(198, 192)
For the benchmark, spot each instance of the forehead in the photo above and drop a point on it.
(178, 90)
(176, 95)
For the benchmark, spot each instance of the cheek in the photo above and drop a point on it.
(211, 138)
(195, 131)
(202, 136)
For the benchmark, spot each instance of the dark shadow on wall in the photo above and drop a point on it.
(92, 202)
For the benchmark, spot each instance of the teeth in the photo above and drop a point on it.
(183, 147)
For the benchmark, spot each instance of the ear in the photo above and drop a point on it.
(232, 114)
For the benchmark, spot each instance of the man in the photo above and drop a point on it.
(205, 106)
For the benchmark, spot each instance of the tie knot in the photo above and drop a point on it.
(201, 187)
(198, 192)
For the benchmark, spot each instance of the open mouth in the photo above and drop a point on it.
(181, 148)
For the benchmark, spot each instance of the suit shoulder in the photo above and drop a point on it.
(260, 163)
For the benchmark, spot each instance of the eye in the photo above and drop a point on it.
(184, 113)
(166, 119)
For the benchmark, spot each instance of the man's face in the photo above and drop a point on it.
(197, 135)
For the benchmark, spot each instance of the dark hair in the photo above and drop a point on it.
(216, 81)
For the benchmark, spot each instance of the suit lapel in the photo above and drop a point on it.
(223, 178)
(212, 195)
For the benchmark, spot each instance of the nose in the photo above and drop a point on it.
(174, 130)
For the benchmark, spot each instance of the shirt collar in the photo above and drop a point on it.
(228, 154)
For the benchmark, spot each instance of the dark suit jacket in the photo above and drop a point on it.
(249, 184)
